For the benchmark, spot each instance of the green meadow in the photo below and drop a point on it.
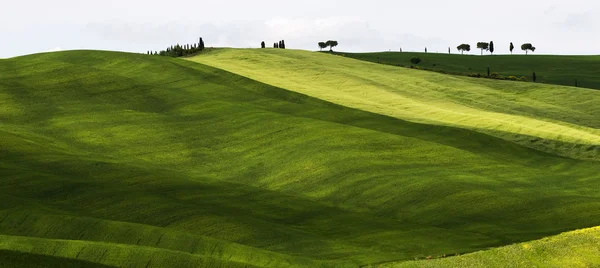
(579, 248)
(550, 69)
(555, 119)
(281, 158)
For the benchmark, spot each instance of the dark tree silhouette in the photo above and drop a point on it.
(331, 44)
(483, 46)
(415, 60)
(492, 47)
(534, 77)
(180, 50)
(464, 47)
(262, 44)
(527, 47)
(511, 47)
(322, 45)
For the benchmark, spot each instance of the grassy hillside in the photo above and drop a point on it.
(131, 160)
(551, 69)
(559, 120)
(573, 249)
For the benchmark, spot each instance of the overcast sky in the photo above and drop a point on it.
(553, 26)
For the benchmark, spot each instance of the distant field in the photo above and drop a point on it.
(573, 249)
(559, 70)
(116, 159)
(555, 119)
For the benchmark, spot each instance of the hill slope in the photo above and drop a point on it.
(551, 69)
(579, 248)
(555, 119)
(133, 160)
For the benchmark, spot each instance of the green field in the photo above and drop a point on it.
(116, 159)
(558, 120)
(551, 69)
(579, 248)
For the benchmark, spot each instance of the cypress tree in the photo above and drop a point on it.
(283, 44)
(492, 47)
(262, 44)
(534, 77)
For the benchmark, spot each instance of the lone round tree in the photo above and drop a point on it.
(527, 47)
(464, 47)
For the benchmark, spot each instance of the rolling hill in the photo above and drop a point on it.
(579, 248)
(116, 159)
(558, 120)
(550, 69)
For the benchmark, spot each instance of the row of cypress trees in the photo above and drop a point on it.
(180, 50)
(280, 44)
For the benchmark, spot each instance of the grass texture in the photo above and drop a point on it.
(117, 159)
(551, 69)
(555, 119)
(579, 248)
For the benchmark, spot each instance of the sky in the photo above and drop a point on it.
(552, 26)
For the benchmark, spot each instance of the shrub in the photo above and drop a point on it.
(415, 60)
(474, 75)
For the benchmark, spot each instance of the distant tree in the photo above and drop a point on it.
(464, 47)
(483, 46)
(492, 47)
(275, 45)
(534, 77)
(511, 47)
(201, 44)
(400, 49)
(322, 45)
(415, 60)
(262, 44)
(449, 51)
(283, 44)
(331, 44)
(527, 47)
(425, 49)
